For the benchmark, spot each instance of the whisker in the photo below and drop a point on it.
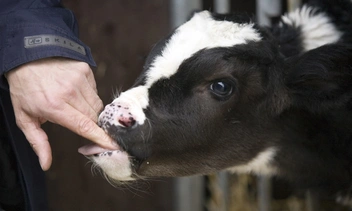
(116, 93)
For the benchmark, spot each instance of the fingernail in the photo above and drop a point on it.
(114, 145)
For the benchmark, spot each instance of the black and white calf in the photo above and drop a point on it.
(223, 93)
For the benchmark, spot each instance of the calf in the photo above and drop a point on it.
(221, 92)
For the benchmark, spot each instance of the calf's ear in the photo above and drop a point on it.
(321, 79)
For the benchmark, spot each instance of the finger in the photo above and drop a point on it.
(83, 126)
(38, 140)
(91, 80)
(84, 104)
(92, 99)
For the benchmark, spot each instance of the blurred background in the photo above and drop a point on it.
(120, 34)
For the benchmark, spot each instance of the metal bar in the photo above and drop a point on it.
(181, 10)
(222, 6)
(189, 194)
(225, 187)
(293, 4)
(189, 191)
(264, 192)
(312, 201)
(267, 9)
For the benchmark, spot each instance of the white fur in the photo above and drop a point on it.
(316, 28)
(137, 100)
(200, 32)
(260, 165)
(117, 166)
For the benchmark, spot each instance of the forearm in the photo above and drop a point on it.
(31, 30)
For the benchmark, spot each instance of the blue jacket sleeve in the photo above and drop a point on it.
(35, 29)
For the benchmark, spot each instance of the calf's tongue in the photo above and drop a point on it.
(93, 149)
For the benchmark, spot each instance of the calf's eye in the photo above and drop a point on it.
(221, 88)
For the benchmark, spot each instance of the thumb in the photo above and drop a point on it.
(38, 140)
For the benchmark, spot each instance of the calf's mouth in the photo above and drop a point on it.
(97, 151)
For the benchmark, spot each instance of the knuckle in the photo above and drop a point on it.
(68, 92)
(99, 105)
(74, 78)
(53, 103)
(85, 126)
(83, 67)
(19, 123)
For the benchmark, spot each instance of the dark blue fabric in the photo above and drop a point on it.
(31, 175)
(18, 19)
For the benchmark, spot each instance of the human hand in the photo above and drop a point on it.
(59, 90)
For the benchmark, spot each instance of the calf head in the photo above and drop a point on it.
(208, 99)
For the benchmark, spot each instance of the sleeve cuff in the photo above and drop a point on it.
(39, 33)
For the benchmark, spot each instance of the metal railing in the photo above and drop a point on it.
(189, 194)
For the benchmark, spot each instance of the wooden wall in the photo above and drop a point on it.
(120, 34)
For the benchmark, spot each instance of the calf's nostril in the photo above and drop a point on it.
(127, 122)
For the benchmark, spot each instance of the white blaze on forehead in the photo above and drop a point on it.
(200, 32)
(316, 28)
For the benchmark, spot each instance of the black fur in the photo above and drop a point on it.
(281, 97)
